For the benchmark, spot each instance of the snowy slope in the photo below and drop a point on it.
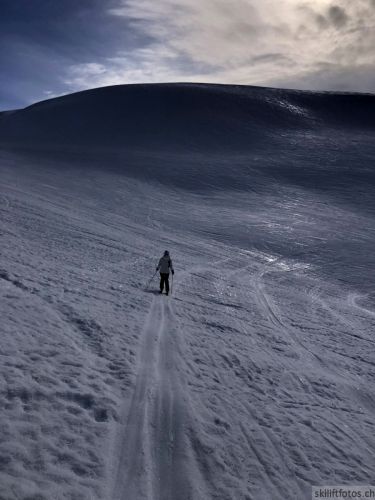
(255, 379)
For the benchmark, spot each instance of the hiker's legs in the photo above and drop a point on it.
(164, 281)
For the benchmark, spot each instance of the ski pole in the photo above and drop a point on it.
(152, 277)
(172, 284)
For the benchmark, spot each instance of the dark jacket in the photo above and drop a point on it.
(165, 264)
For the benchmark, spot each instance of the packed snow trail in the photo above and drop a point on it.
(155, 458)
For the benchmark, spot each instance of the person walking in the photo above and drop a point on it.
(165, 265)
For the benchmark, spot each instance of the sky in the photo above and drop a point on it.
(54, 47)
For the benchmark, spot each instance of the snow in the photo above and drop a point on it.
(255, 379)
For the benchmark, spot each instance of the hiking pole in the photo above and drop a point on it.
(152, 277)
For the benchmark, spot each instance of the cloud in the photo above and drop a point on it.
(334, 77)
(337, 16)
(194, 40)
(57, 47)
(201, 29)
(235, 41)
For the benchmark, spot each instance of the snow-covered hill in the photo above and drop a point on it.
(255, 379)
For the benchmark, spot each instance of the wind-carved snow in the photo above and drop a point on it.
(255, 378)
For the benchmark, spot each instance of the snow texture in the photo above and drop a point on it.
(255, 378)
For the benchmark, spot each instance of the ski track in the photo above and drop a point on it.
(352, 301)
(5, 201)
(317, 298)
(265, 303)
(266, 443)
(155, 457)
(316, 362)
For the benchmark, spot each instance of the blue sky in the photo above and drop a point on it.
(53, 47)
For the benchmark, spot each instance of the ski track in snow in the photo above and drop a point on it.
(273, 316)
(353, 301)
(155, 457)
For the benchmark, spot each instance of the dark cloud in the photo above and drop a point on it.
(337, 16)
(77, 28)
(276, 57)
(321, 21)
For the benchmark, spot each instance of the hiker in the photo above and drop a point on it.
(165, 264)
